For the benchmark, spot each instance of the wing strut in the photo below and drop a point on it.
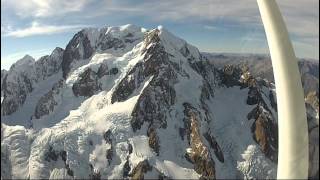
(293, 157)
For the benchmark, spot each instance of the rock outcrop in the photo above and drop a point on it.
(198, 152)
(47, 103)
(87, 84)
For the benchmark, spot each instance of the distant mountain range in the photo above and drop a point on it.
(260, 65)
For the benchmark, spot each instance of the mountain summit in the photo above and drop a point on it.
(127, 102)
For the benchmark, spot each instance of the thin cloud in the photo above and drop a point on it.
(301, 16)
(37, 29)
(43, 8)
(209, 27)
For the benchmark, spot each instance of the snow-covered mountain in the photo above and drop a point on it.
(126, 102)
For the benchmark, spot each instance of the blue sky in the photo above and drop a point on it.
(36, 27)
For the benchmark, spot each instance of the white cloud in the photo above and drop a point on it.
(182, 10)
(37, 29)
(301, 16)
(43, 8)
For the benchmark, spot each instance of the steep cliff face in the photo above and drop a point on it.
(3, 75)
(125, 102)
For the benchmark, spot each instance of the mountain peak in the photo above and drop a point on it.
(129, 27)
(25, 60)
(57, 49)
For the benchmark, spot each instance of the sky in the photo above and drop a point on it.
(36, 27)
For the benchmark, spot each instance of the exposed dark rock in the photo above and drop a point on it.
(103, 70)
(69, 170)
(153, 140)
(47, 103)
(128, 84)
(199, 154)
(87, 84)
(51, 154)
(253, 96)
(230, 75)
(4, 73)
(264, 127)
(109, 154)
(215, 146)
(159, 95)
(188, 157)
(77, 49)
(254, 113)
(185, 51)
(129, 35)
(63, 155)
(204, 167)
(113, 71)
(152, 106)
(182, 133)
(10, 106)
(155, 57)
(108, 136)
(14, 93)
(107, 42)
(49, 65)
(90, 143)
(206, 92)
(189, 111)
(273, 101)
(142, 168)
(208, 72)
(126, 168)
(265, 133)
(28, 83)
(130, 148)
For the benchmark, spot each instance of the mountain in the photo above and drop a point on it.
(126, 102)
(260, 66)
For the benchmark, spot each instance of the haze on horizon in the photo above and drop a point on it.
(36, 27)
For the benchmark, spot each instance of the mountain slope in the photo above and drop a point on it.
(126, 102)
